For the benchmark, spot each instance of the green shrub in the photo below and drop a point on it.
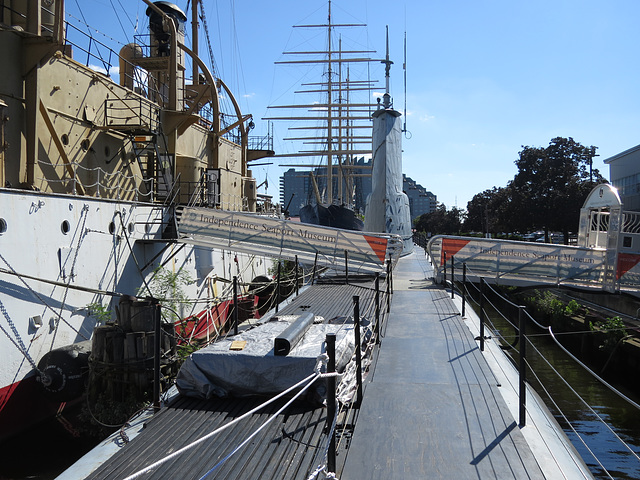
(614, 330)
(571, 308)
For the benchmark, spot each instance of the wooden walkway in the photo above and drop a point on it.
(432, 408)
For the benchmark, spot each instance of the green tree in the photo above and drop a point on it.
(486, 211)
(441, 221)
(551, 186)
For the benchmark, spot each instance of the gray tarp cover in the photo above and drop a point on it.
(218, 371)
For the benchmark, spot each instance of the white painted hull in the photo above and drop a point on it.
(99, 245)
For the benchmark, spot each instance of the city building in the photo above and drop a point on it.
(421, 201)
(624, 174)
(296, 190)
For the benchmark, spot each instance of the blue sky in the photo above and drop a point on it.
(485, 77)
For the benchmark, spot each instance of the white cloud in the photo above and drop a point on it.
(113, 71)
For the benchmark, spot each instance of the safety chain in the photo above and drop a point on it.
(18, 340)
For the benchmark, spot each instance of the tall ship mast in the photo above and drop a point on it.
(340, 125)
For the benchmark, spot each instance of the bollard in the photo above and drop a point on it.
(356, 326)
(331, 401)
(157, 341)
(523, 367)
(235, 305)
(482, 289)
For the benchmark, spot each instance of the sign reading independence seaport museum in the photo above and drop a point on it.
(271, 236)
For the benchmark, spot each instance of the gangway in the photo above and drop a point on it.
(270, 236)
(607, 256)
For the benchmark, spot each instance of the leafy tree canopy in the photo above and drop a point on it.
(546, 193)
(441, 221)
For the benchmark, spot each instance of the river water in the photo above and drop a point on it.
(46, 450)
(604, 428)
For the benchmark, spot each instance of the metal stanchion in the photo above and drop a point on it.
(331, 401)
(235, 305)
(313, 274)
(377, 301)
(523, 367)
(346, 267)
(464, 284)
(482, 291)
(297, 277)
(453, 278)
(157, 342)
(444, 270)
(278, 286)
(356, 326)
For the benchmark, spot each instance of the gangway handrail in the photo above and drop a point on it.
(524, 364)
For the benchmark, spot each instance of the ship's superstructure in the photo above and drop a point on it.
(93, 171)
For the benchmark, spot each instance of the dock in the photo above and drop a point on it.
(434, 406)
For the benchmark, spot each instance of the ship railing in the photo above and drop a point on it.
(254, 142)
(260, 142)
(92, 48)
(502, 320)
(199, 195)
(108, 59)
(133, 112)
(116, 185)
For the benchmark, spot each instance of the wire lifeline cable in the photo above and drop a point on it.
(311, 378)
(278, 412)
(514, 387)
(573, 390)
(573, 429)
(604, 382)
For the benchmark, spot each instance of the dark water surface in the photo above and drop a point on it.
(48, 449)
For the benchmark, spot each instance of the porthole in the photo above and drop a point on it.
(3, 226)
(65, 139)
(112, 228)
(130, 228)
(85, 144)
(65, 227)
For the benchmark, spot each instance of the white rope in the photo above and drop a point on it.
(311, 378)
(273, 417)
